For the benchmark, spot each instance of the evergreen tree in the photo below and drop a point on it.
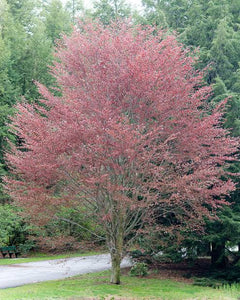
(224, 51)
(6, 87)
(56, 19)
(213, 27)
(109, 10)
(159, 11)
(75, 8)
(28, 30)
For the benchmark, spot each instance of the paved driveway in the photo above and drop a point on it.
(24, 273)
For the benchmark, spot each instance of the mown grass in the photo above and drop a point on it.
(96, 286)
(41, 257)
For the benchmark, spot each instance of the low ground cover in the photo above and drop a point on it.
(96, 286)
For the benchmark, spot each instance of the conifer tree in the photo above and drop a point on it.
(213, 28)
(109, 10)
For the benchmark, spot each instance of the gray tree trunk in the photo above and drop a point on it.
(115, 243)
(116, 259)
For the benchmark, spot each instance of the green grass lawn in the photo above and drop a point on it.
(97, 286)
(41, 256)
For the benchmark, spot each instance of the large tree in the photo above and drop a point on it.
(56, 19)
(109, 10)
(129, 132)
(212, 27)
(28, 30)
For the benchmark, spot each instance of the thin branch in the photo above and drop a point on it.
(74, 223)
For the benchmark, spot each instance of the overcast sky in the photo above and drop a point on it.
(134, 3)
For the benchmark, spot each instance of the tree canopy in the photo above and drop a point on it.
(131, 129)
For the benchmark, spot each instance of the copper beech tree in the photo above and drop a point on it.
(130, 130)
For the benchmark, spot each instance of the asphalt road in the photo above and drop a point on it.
(25, 273)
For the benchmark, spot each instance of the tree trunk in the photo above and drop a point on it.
(115, 243)
(116, 271)
(218, 255)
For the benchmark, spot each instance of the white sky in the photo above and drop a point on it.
(133, 3)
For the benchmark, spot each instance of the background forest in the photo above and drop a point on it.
(30, 29)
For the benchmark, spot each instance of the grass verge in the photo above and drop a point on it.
(41, 257)
(96, 286)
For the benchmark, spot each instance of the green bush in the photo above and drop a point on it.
(72, 222)
(27, 246)
(139, 269)
(14, 230)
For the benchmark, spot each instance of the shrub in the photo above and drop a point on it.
(14, 230)
(139, 269)
(27, 246)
